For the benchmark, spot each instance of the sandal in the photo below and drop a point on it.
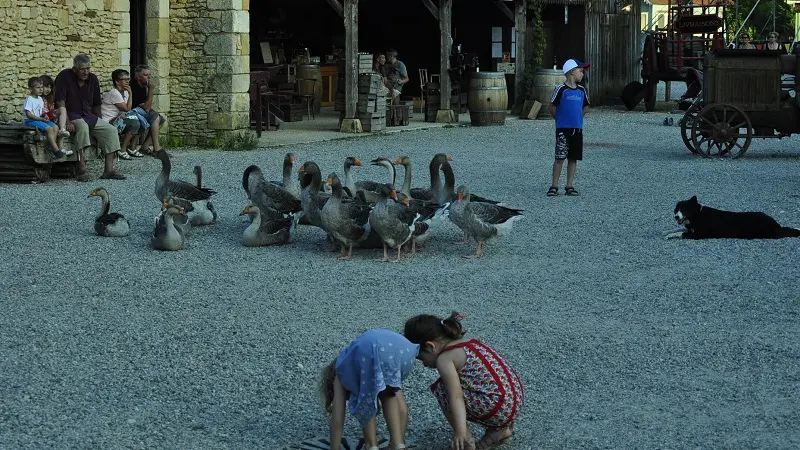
(569, 190)
(135, 154)
(124, 155)
(553, 191)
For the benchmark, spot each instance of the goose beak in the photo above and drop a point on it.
(460, 196)
(164, 204)
(291, 159)
(245, 211)
(91, 195)
(330, 180)
(398, 161)
(449, 158)
(356, 162)
(394, 194)
(302, 169)
(405, 201)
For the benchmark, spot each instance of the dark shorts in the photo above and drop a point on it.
(152, 114)
(569, 144)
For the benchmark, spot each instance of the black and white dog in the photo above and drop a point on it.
(702, 222)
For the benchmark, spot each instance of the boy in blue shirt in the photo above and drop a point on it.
(568, 105)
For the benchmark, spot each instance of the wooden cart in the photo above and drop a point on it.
(25, 156)
(743, 98)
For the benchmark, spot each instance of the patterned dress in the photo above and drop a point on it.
(493, 392)
(375, 361)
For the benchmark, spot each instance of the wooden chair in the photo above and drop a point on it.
(308, 98)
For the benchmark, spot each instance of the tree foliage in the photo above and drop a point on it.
(759, 25)
(533, 60)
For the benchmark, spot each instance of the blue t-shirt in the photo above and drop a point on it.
(569, 105)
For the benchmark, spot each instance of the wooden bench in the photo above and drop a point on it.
(25, 156)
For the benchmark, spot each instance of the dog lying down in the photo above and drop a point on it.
(702, 222)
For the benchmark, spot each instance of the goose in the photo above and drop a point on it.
(182, 221)
(274, 201)
(286, 182)
(265, 232)
(176, 188)
(449, 195)
(368, 187)
(311, 199)
(201, 212)
(431, 193)
(431, 214)
(394, 222)
(347, 222)
(166, 236)
(109, 224)
(482, 221)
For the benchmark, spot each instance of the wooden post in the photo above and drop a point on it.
(521, 24)
(667, 90)
(445, 113)
(351, 124)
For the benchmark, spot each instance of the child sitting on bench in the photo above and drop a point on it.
(32, 112)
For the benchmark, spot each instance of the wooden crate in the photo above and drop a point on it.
(26, 157)
(397, 115)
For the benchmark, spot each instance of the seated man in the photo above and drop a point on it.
(78, 95)
(143, 88)
(397, 74)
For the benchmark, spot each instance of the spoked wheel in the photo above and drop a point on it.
(687, 122)
(721, 130)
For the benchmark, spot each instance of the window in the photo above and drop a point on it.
(645, 18)
(514, 42)
(497, 42)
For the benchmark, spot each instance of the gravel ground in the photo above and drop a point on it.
(623, 339)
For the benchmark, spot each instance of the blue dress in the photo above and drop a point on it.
(372, 362)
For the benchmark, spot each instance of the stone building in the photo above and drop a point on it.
(198, 50)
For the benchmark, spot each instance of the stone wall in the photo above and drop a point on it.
(209, 68)
(41, 37)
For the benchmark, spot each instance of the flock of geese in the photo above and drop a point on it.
(363, 214)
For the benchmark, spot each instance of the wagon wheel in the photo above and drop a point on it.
(718, 131)
(687, 121)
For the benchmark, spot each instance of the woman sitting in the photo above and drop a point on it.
(116, 110)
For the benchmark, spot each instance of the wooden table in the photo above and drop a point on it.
(329, 82)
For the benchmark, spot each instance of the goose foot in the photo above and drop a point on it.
(478, 252)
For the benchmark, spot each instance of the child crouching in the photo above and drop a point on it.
(475, 385)
(371, 369)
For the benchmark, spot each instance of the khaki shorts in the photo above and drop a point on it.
(105, 134)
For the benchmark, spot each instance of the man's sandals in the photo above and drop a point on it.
(493, 441)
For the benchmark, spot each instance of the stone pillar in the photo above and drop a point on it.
(157, 50)
(230, 82)
(121, 10)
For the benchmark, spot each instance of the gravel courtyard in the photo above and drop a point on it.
(623, 339)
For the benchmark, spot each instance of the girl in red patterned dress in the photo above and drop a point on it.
(475, 383)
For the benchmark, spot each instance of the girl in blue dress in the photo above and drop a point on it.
(371, 369)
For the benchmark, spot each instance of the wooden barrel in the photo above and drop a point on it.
(544, 83)
(310, 72)
(488, 98)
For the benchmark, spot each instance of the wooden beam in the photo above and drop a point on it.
(351, 56)
(446, 44)
(432, 8)
(504, 9)
(521, 25)
(336, 7)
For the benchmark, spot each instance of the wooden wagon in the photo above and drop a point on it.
(743, 98)
(25, 156)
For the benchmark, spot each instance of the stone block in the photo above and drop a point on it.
(233, 64)
(225, 120)
(245, 39)
(228, 83)
(161, 102)
(351, 126)
(95, 5)
(157, 31)
(124, 22)
(235, 5)
(158, 9)
(25, 12)
(245, 5)
(157, 51)
(119, 5)
(223, 44)
(125, 57)
(124, 40)
(234, 102)
(445, 116)
(235, 21)
(5, 3)
(206, 26)
(161, 67)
